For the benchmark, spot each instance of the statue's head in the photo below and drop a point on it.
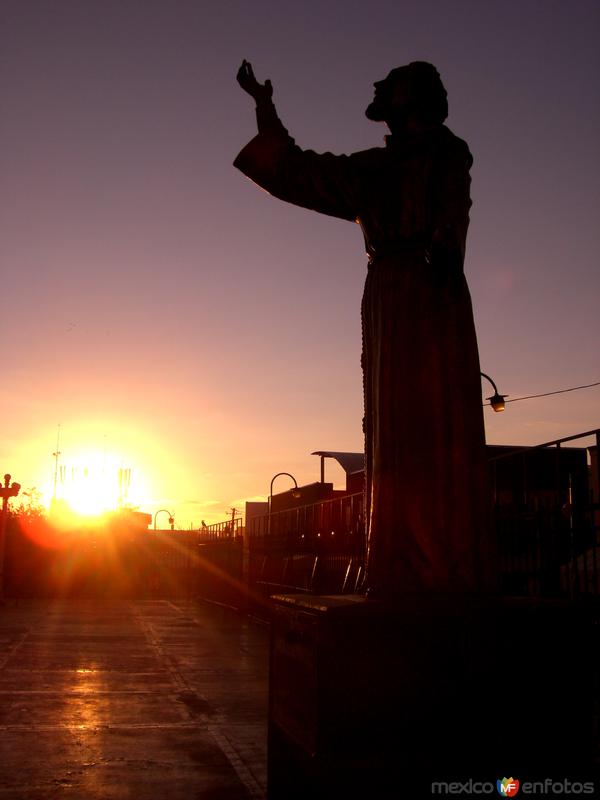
(415, 89)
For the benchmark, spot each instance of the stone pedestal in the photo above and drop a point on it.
(364, 697)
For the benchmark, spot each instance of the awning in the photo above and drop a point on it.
(349, 462)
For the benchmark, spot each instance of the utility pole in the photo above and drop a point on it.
(233, 513)
(6, 491)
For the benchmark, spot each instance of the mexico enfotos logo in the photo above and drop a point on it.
(510, 787)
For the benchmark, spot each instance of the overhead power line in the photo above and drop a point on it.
(558, 391)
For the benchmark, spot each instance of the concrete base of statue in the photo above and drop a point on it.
(374, 700)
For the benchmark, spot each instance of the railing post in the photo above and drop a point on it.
(594, 502)
(246, 556)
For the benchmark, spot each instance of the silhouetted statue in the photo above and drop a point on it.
(426, 495)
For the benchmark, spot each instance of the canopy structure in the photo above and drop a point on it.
(349, 462)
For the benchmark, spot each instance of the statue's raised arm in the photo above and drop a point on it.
(320, 182)
(261, 92)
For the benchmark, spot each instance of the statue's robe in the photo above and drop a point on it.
(426, 492)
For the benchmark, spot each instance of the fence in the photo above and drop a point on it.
(547, 516)
(318, 547)
(222, 530)
(116, 561)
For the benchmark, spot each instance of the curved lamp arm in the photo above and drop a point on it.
(271, 494)
(171, 517)
(276, 476)
(497, 400)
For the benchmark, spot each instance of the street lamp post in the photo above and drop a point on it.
(171, 517)
(497, 401)
(8, 490)
(271, 495)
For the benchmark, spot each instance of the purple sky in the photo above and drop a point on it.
(158, 305)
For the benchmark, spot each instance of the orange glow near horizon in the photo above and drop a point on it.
(108, 464)
(189, 471)
(103, 465)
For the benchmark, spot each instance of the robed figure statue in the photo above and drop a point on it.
(426, 496)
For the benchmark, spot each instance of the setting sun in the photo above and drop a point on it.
(91, 483)
(92, 467)
(108, 464)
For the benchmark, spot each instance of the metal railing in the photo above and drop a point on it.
(312, 548)
(230, 529)
(547, 516)
(339, 517)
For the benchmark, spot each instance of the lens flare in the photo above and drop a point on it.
(93, 483)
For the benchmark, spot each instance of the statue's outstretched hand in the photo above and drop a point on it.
(246, 79)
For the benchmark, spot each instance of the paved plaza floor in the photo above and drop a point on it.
(141, 700)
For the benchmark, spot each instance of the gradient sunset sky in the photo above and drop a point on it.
(176, 320)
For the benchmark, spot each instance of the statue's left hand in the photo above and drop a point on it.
(245, 78)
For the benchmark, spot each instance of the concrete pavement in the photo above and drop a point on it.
(137, 700)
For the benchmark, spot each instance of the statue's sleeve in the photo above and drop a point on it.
(321, 182)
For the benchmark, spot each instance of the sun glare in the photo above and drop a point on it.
(93, 483)
(102, 466)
